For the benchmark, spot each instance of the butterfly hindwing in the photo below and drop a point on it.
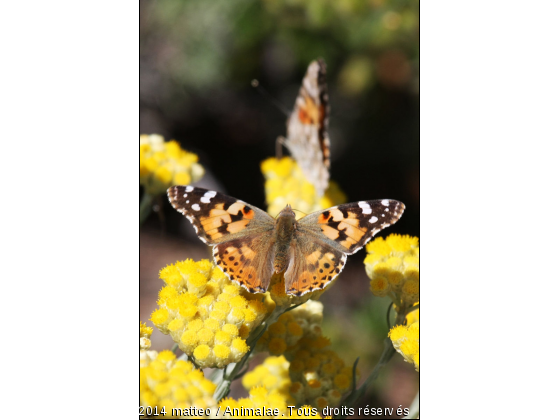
(349, 227)
(313, 265)
(217, 217)
(247, 261)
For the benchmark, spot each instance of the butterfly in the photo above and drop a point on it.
(250, 246)
(307, 138)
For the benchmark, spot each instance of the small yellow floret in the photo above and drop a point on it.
(201, 352)
(221, 351)
(159, 316)
(231, 329)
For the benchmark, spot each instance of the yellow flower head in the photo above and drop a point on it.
(174, 383)
(204, 313)
(145, 334)
(393, 266)
(406, 340)
(260, 398)
(286, 184)
(305, 320)
(163, 164)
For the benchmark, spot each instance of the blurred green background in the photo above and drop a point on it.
(197, 60)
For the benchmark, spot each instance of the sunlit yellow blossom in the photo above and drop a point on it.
(272, 374)
(393, 264)
(204, 313)
(259, 398)
(145, 334)
(305, 320)
(163, 164)
(174, 383)
(406, 340)
(286, 184)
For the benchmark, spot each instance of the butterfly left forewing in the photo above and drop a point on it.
(217, 217)
(349, 227)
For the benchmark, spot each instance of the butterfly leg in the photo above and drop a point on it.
(279, 143)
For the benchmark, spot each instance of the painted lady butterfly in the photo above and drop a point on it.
(249, 245)
(307, 138)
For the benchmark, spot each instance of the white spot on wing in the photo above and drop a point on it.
(195, 207)
(366, 208)
(185, 196)
(189, 189)
(387, 209)
(207, 196)
(385, 202)
(373, 219)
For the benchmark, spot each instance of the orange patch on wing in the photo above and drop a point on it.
(210, 223)
(313, 257)
(352, 231)
(329, 232)
(239, 269)
(249, 214)
(236, 207)
(237, 226)
(309, 113)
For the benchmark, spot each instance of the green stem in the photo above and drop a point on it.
(388, 352)
(145, 207)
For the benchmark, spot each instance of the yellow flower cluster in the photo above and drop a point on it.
(165, 381)
(273, 374)
(259, 398)
(303, 321)
(145, 334)
(207, 315)
(163, 164)
(146, 355)
(286, 184)
(268, 398)
(393, 266)
(318, 376)
(406, 340)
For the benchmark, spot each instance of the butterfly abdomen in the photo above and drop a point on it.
(285, 228)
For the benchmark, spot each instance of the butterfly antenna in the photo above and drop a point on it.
(304, 213)
(255, 83)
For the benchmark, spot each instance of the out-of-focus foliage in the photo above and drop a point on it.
(199, 43)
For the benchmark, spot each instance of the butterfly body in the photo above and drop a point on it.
(250, 246)
(285, 229)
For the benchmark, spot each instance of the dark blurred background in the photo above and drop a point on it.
(197, 60)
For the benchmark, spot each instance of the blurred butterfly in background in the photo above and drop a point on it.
(307, 138)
